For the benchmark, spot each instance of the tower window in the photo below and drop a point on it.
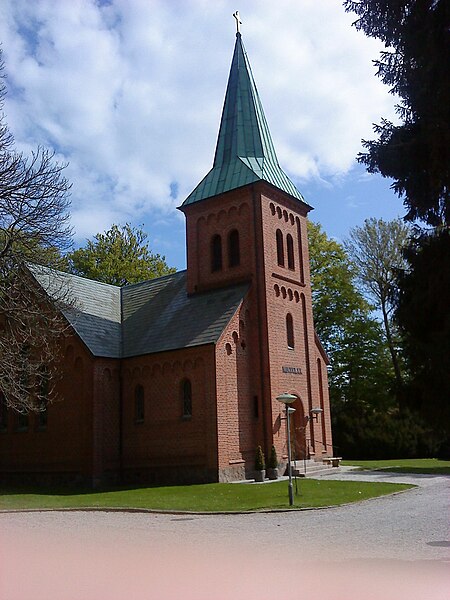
(290, 251)
(139, 404)
(186, 393)
(216, 253)
(280, 248)
(234, 257)
(290, 331)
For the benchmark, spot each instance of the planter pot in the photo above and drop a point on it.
(272, 473)
(260, 476)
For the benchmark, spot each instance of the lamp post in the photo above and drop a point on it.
(288, 399)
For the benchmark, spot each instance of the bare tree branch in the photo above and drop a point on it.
(34, 227)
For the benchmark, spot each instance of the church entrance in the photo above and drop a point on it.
(299, 422)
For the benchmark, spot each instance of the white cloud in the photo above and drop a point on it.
(130, 92)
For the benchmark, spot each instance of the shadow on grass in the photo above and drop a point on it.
(75, 490)
(416, 470)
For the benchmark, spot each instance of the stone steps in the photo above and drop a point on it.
(310, 467)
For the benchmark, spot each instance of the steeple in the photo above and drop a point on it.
(244, 152)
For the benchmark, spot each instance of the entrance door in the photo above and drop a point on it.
(298, 432)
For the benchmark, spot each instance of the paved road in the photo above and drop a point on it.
(397, 546)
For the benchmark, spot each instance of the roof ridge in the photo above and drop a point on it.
(152, 279)
(67, 274)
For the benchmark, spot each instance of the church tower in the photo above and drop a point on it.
(247, 223)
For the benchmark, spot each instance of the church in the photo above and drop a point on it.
(176, 379)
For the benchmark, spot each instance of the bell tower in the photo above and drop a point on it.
(246, 222)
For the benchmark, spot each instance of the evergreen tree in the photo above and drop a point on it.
(416, 155)
(424, 316)
(415, 65)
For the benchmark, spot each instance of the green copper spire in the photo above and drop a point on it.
(244, 151)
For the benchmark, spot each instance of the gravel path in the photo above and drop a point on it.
(403, 539)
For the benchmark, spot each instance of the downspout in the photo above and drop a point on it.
(121, 394)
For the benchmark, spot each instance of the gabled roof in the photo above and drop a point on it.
(158, 315)
(244, 152)
(144, 318)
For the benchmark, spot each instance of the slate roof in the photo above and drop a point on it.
(92, 308)
(158, 315)
(245, 152)
(144, 318)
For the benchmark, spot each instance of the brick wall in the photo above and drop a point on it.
(64, 446)
(167, 445)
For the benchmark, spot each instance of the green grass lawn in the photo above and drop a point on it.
(208, 497)
(405, 465)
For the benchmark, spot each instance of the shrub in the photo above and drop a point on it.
(260, 463)
(272, 463)
(382, 435)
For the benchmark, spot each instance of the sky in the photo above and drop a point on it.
(129, 93)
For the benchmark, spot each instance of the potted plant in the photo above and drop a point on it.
(272, 464)
(260, 465)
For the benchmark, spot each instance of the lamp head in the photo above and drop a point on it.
(315, 412)
(286, 398)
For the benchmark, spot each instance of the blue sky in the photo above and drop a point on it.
(130, 93)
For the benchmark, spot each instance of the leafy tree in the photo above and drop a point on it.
(34, 204)
(335, 297)
(119, 256)
(376, 249)
(361, 372)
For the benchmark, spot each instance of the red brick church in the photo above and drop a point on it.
(176, 379)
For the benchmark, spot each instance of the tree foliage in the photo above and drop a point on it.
(119, 256)
(364, 408)
(415, 65)
(376, 249)
(34, 203)
(335, 297)
(423, 314)
(416, 154)
(361, 373)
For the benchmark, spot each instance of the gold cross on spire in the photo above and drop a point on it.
(238, 22)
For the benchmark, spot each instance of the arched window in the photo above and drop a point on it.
(216, 253)
(22, 422)
(280, 248)
(234, 257)
(139, 404)
(3, 414)
(43, 397)
(290, 251)
(290, 330)
(186, 397)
